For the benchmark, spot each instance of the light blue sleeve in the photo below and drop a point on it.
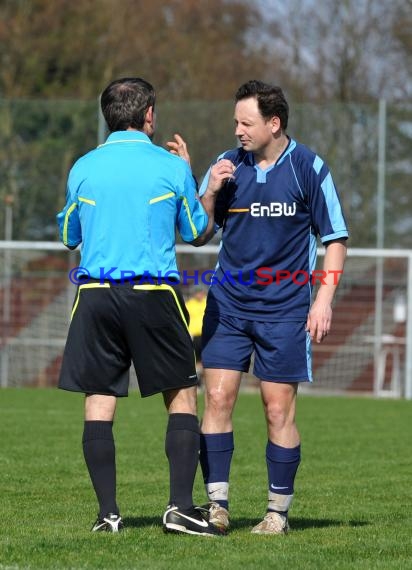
(192, 218)
(68, 220)
(205, 182)
(324, 202)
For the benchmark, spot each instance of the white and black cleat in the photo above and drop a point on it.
(189, 521)
(109, 523)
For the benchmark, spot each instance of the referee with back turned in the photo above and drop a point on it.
(125, 199)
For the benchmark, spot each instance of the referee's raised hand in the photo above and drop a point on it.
(179, 147)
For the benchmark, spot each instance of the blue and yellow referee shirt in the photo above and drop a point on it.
(124, 201)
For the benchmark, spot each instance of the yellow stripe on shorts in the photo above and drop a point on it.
(164, 287)
(87, 286)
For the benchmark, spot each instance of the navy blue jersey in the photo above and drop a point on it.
(270, 222)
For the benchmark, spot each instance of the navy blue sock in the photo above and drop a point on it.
(216, 451)
(100, 456)
(282, 464)
(182, 450)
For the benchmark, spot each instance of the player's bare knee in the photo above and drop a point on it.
(220, 401)
(277, 416)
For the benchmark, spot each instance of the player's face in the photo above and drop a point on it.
(253, 131)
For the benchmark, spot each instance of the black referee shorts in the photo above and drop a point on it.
(113, 324)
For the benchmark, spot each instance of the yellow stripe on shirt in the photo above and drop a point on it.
(87, 201)
(66, 222)
(192, 226)
(160, 198)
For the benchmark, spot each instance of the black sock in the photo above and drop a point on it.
(182, 450)
(99, 454)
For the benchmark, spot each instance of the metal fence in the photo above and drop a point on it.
(367, 146)
(368, 351)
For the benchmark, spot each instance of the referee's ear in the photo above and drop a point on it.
(149, 121)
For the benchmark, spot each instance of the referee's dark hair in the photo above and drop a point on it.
(270, 98)
(125, 101)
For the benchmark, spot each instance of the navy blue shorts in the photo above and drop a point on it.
(282, 349)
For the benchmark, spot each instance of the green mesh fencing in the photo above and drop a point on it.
(40, 140)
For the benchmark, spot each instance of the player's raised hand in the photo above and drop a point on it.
(179, 147)
(219, 174)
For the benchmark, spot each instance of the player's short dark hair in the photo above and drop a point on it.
(125, 101)
(270, 98)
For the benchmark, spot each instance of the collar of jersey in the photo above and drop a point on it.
(127, 137)
(285, 153)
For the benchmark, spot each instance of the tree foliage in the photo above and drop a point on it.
(352, 50)
(333, 59)
(203, 49)
(192, 49)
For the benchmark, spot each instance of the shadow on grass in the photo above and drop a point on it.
(300, 523)
(241, 523)
(139, 522)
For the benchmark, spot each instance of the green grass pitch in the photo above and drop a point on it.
(352, 506)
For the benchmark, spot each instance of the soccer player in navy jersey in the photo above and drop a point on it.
(125, 200)
(272, 197)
